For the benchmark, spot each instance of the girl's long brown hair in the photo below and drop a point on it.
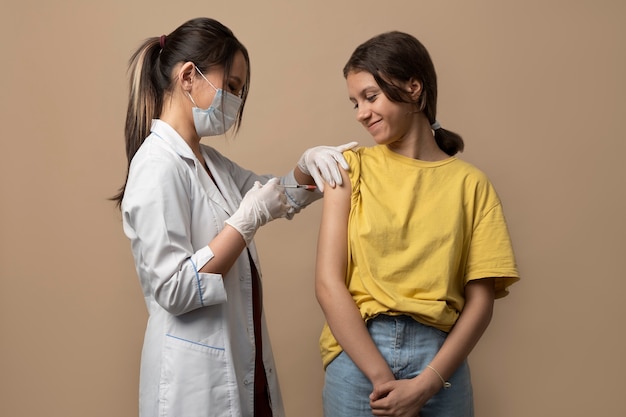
(397, 56)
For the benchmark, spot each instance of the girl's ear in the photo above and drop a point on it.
(186, 74)
(414, 88)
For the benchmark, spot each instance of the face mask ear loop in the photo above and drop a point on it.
(191, 98)
(205, 78)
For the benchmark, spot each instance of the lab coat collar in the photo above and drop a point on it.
(178, 145)
(172, 138)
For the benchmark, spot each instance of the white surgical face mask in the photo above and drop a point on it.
(216, 120)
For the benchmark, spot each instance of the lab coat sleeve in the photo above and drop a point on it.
(298, 198)
(244, 180)
(157, 219)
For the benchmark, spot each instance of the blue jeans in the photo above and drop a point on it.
(407, 346)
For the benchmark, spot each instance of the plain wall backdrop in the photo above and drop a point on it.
(536, 88)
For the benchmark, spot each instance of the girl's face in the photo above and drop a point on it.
(385, 120)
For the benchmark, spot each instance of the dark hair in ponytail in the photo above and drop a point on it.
(398, 57)
(203, 41)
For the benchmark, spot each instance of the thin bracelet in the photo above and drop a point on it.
(446, 384)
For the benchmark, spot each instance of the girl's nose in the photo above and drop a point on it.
(362, 113)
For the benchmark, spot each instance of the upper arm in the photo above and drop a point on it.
(332, 244)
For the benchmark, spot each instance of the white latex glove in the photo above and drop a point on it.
(321, 162)
(260, 205)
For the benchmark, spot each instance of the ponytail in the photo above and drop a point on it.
(145, 97)
(449, 141)
(144, 101)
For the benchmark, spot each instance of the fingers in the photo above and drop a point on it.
(269, 199)
(340, 161)
(323, 162)
(330, 172)
(380, 392)
(328, 168)
(339, 156)
(285, 207)
(318, 180)
(347, 146)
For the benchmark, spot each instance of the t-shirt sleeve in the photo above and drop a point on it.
(491, 253)
(354, 162)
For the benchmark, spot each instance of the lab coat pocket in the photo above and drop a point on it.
(194, 380)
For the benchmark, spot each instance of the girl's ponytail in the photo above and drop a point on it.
(448, 141)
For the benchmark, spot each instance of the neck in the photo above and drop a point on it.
(177, 113)
(419, 142)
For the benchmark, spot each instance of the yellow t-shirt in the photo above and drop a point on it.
(418, 232)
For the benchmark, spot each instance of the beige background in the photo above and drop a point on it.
(535, 87)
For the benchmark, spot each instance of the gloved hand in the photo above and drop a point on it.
(260, 205)
(321, 163)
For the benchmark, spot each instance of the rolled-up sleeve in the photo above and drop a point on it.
(244, 179)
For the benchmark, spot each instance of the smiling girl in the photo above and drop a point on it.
(412, 251)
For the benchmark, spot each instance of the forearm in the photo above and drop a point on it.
(412, 394)
(468, 329)
(348, 327)
(226, 247)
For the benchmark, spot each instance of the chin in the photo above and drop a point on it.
(382, 140)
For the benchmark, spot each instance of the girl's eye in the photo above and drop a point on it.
(369, 98)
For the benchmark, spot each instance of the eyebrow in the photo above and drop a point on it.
(366, 90)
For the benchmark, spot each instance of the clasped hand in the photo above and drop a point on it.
(402, 397)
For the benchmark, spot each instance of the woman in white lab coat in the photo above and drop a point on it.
(190, 214)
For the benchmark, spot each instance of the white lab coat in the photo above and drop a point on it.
(198, 353)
